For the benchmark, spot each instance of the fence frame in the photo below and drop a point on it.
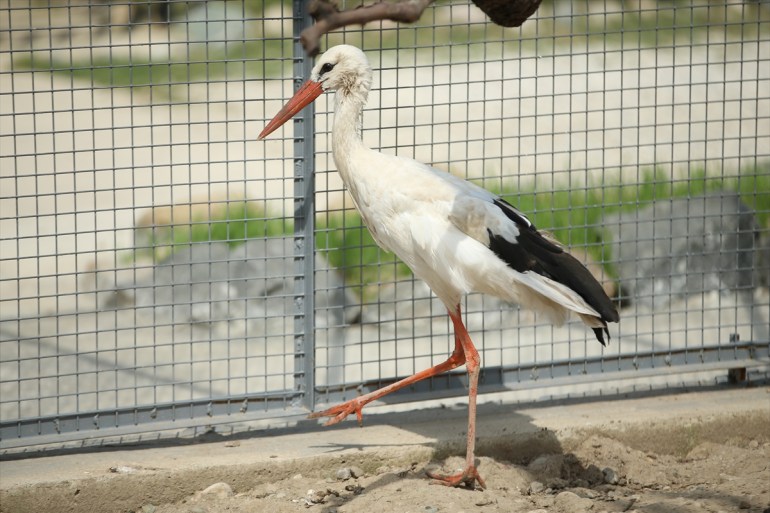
(734, 359)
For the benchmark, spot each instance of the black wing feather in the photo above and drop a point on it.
(533, 252)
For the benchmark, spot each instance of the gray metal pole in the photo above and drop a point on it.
(304, 226)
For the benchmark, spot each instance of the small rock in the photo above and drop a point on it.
(547, 465)
(148, 508)
(123, 469)
(753, 444)
(233, 443)
(430, 509)
(610, 476)
(557, 483)
(297, 476)
(318, 496)
(569, 501)
(615, 494)
(580, 483)
(356, 489)
(218, 490)
(343, 474)
(536, 487)
(356, 471)
(586, 493)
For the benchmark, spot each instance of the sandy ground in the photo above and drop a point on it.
(680, 453)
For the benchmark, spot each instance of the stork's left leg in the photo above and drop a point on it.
(470, 475)
(355, 405)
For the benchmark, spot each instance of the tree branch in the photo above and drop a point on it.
(328, 17)
(507, 13)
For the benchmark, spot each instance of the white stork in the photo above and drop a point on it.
(456, 236)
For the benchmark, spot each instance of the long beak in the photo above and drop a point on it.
(309, 91)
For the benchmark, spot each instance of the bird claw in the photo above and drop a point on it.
(468, 478)
(339, 412)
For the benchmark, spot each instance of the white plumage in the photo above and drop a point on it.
(456, 236)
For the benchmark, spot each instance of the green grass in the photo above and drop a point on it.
(233, 223)
(576, 217)
(252, 60)
(573, 217)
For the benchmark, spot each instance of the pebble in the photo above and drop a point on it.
(610, 476)
(148, 508)
(218, 490)
(536, 487)
(343, 474)
(586, 493)
(356, 489)
(557, 483)
(318, 496)
(569, 501)
(430, 509)
(123, 469)
(549, 464)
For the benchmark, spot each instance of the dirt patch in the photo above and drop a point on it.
(693, 466)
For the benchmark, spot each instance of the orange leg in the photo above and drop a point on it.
(341, 411)
(464, 352)
(470, 475)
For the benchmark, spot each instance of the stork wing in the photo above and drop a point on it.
(531, 251)
(542, 264)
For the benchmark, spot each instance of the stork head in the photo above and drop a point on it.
(342, 68)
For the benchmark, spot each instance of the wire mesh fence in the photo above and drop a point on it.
(162, 269)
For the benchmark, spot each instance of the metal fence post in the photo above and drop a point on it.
(304, 226)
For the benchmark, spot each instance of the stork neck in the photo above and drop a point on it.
(347, 125)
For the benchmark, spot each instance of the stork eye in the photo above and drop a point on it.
(327, 67)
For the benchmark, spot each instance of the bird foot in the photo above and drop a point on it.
(468, 478)
(339, 412)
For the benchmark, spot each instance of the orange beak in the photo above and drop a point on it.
(309, 91)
